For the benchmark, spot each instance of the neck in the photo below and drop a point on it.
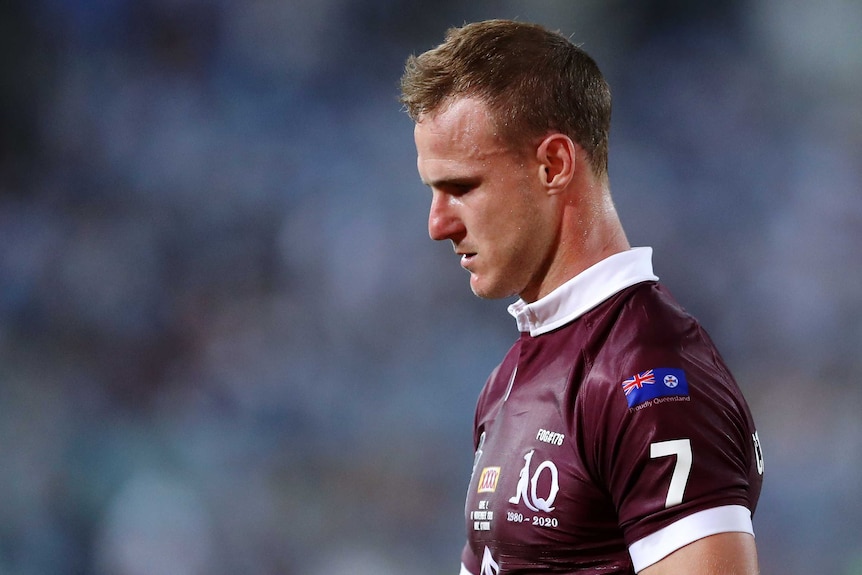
(590, 231)
(602, 233)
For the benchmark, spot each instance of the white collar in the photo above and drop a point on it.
(584, 291)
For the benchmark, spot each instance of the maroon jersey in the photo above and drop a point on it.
(611, 434)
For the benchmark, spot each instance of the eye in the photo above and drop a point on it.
(459, 188)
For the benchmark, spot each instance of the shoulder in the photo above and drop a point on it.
(650, 351)
(648, 314)
(643, 328)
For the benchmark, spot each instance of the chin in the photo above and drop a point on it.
(493, 291)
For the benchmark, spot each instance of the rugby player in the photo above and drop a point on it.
(612, 437)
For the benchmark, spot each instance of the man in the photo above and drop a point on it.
(612, 437)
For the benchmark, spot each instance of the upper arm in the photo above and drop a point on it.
(720, 554)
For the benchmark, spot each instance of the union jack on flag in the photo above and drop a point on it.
(638, 381)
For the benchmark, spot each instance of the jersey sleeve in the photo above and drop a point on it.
(677, 453)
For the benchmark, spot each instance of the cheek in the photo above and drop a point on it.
(517, 244)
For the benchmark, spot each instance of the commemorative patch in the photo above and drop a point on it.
(653, 384)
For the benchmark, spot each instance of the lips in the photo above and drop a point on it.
(467, 259)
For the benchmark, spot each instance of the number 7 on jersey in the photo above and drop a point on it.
(682, 449)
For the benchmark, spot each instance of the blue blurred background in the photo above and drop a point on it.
(227, 344)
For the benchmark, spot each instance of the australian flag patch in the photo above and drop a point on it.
(655, 383)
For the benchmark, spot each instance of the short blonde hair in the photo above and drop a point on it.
(534, 80)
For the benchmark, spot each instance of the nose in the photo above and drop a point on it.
(443, 220)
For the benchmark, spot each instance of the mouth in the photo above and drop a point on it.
(467, 259)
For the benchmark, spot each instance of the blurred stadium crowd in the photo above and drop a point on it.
(228, 346)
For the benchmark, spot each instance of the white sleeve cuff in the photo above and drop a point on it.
(464, 570)
(657, 546)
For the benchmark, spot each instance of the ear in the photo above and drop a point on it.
(556, 157)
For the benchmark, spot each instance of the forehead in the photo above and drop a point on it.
(460, 134)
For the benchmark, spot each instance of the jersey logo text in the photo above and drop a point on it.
(758, 452)
(551, 437)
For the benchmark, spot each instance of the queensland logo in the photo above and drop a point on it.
(488, 480)
(528, 486)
